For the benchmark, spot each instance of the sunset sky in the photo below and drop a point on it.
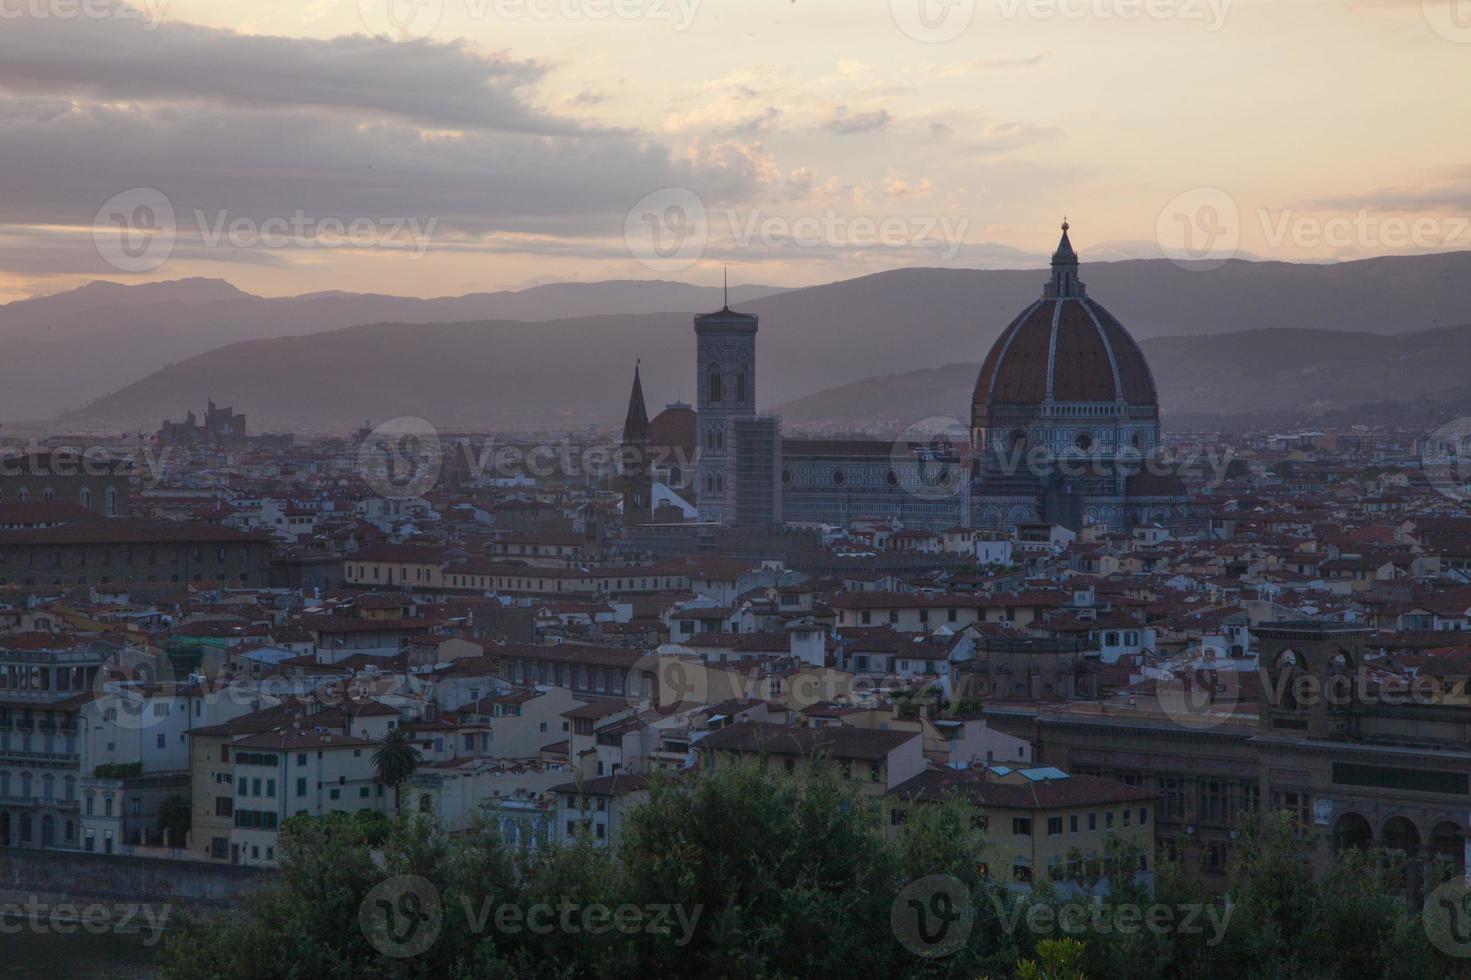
(490, 144)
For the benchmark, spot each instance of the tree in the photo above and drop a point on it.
(174, 819)
(396, 760)
(782, 875)
(1057, 959)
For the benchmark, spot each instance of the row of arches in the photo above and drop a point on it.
(20, 830)
(1413, 856)
(85, 498)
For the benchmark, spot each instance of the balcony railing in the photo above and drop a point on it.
(44, 758)
(41, 801)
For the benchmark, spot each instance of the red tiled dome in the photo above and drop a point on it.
(675, 429)
(1063, 348)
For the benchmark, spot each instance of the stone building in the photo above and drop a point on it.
(43, 688)
(134, 554)
(1353, 764)
(1065, 419)
(98, 483)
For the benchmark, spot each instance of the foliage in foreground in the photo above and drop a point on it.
(778, 876)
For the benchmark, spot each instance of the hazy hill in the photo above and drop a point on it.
(1277, 375)
(493, 372)
(67, 349)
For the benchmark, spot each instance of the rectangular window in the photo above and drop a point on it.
(1021, 826)
(1054, 826)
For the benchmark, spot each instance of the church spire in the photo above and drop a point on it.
(636, 424)
(1064, 283)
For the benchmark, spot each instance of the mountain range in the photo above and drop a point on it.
(1279, 377)
(1245, 337)
(68, 349)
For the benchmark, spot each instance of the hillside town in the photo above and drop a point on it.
(206, 636)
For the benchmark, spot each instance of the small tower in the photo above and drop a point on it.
(1064, 284)
(636, 480)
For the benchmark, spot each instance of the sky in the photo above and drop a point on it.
(439, 147)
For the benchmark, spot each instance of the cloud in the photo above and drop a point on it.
(257, 164)
(1446, 189)
(978, 66)
(844, 124)
(435, 84)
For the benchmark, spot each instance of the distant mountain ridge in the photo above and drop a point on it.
(1275, 376)
(575, 370)
(67, 349)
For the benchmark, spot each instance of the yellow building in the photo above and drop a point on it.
(879, 761)
(1041, 820)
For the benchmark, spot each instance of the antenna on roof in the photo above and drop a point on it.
(727, 287)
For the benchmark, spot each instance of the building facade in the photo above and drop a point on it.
(1065, 419)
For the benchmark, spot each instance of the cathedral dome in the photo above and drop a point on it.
(675, 430)
(1065, 352)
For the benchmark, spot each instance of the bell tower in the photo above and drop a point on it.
(725, 378)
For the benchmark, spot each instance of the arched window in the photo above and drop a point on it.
(109, 502)
(50, 493)
(740, 386)
(714, 389)
(23, 494)
(85, 497)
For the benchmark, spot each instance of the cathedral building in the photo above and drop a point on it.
(1064, 429)
(1065, 419)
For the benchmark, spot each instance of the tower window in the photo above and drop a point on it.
(740, 386)
(715, 393)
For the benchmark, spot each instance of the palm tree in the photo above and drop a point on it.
(396, 760)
